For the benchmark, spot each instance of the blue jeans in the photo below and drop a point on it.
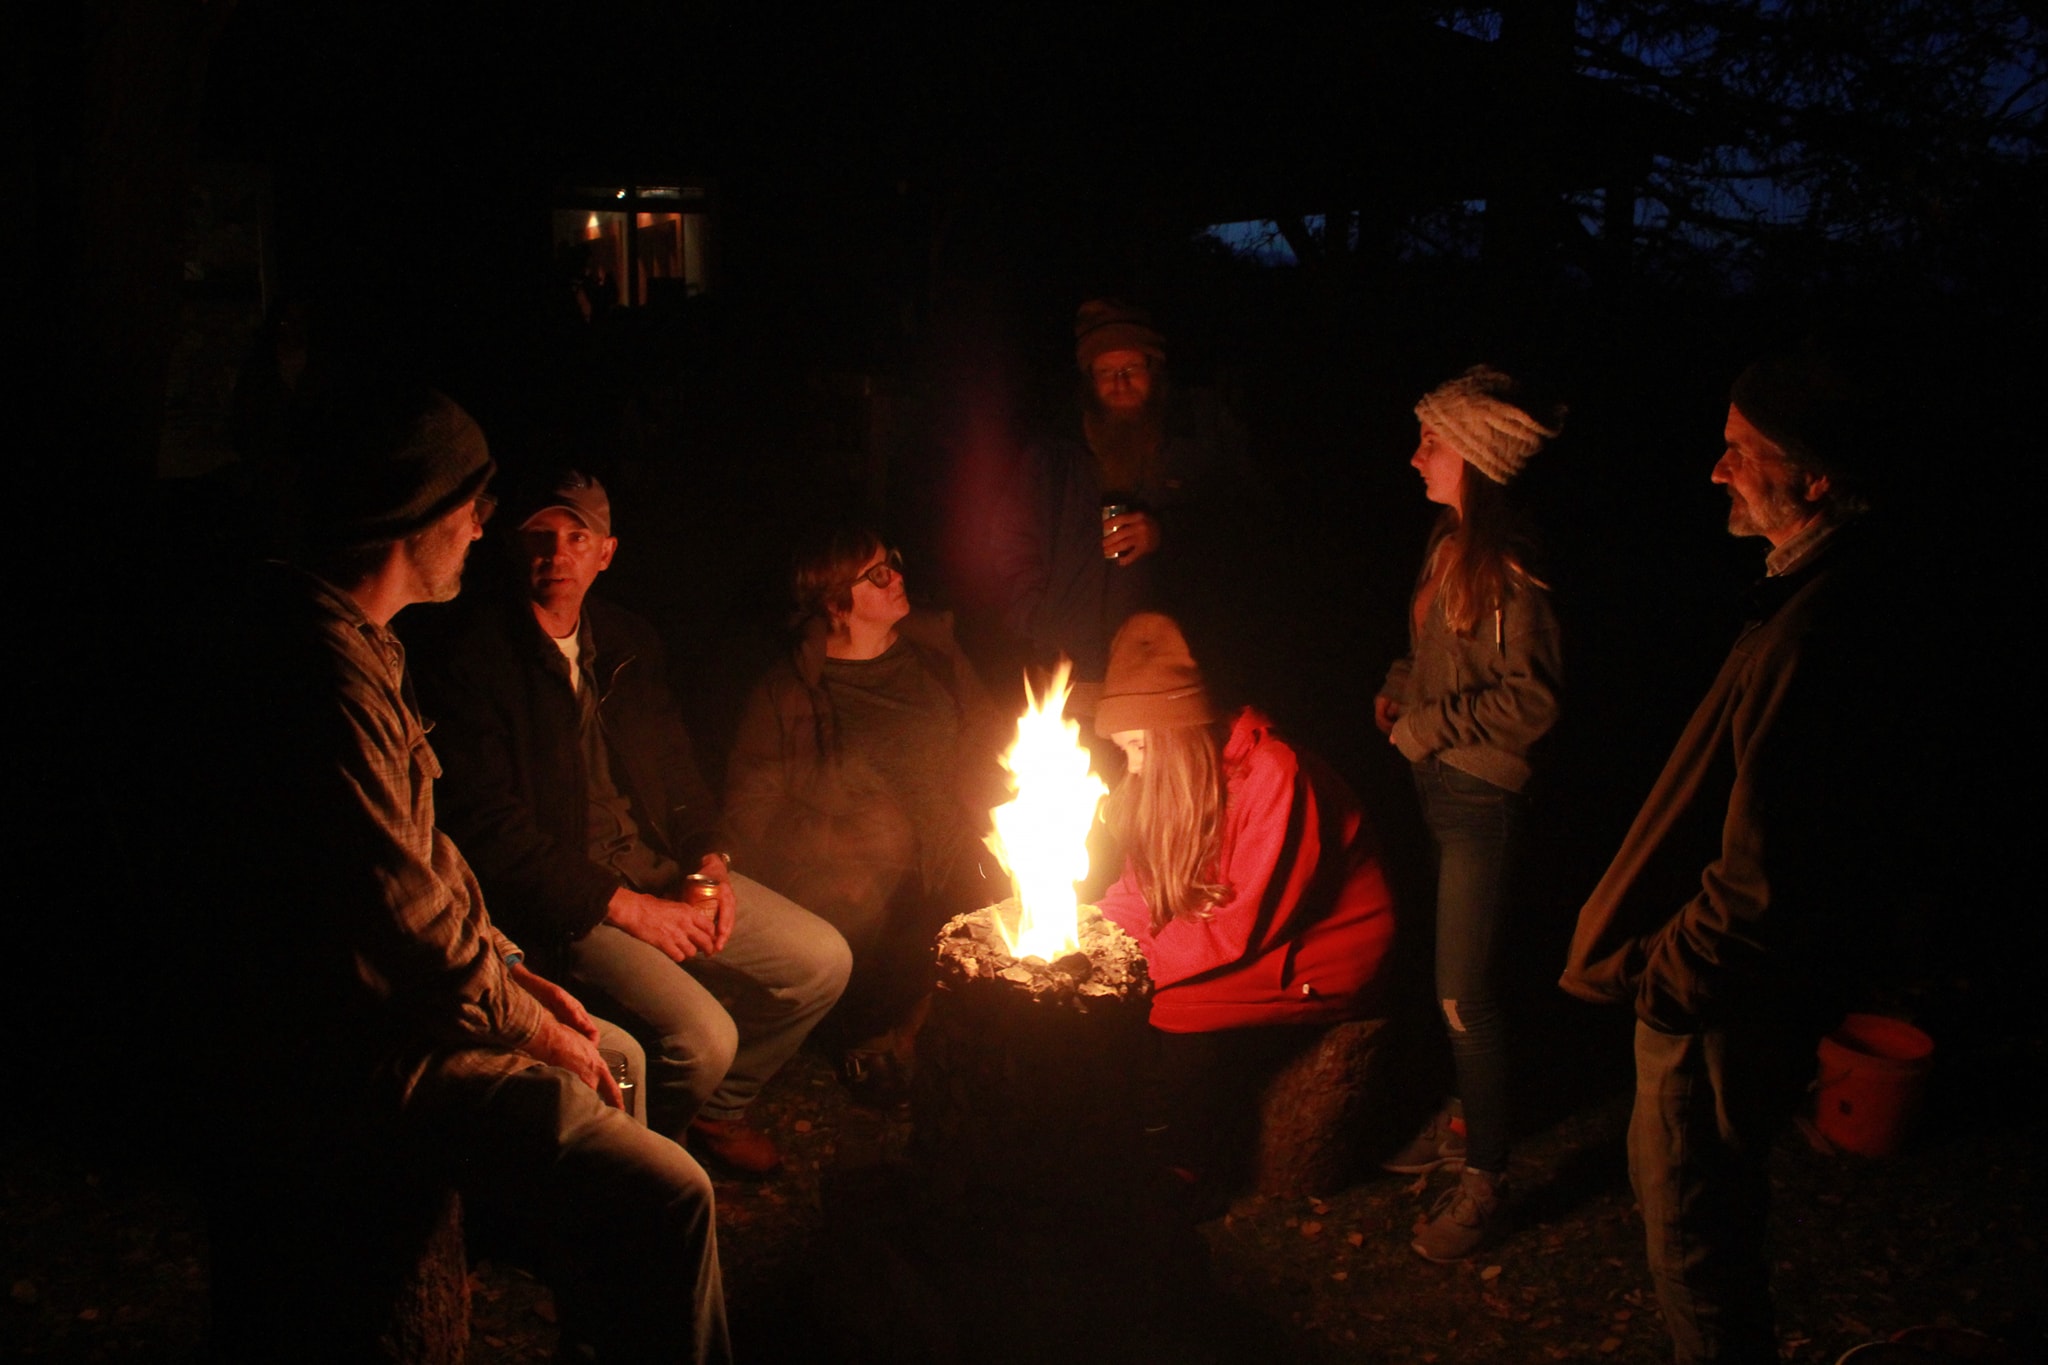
(1475, 827)
(719, 1026)
(1707, 1108)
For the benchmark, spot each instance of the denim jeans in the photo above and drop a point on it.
(626, 1217)
(719, 1026)
(1475, 826)
(1707, 1108)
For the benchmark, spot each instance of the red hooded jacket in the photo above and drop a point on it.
(1304, 934)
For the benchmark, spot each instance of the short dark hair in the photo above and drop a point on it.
(824, 569)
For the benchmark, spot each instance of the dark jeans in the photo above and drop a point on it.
(1707, 1108)
(1475, 827)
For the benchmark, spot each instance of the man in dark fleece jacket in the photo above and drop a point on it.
(572, 782)
(1747, 882)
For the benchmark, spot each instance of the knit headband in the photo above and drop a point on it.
(1493, 435)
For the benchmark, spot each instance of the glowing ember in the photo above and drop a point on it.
(1042, 834)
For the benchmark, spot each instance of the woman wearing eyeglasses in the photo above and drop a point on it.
(860, 783)
(1252, 882)
(1465, 707)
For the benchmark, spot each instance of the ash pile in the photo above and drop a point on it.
(1108, 969)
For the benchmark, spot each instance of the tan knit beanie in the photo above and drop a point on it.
(1474, 414)
(1105, 325)
(1153, 683)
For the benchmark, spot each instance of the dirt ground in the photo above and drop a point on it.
(846, 1258)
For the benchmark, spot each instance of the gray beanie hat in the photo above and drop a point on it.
(383, 463)
(1811, 406)
(1474, 413)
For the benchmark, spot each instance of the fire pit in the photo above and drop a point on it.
(1028, 1062)
(1027, 1070)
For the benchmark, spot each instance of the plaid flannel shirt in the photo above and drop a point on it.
(410, 908)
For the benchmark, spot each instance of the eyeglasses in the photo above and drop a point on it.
(1123, 374)
(882, 572)
(481, 509)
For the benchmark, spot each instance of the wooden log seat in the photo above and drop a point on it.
(1312, 1113)
(337, 1265)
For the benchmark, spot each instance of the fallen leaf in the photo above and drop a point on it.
(1491, 1272)
(544, 1309)
(802, 1125)
(1311, 1229)
(1319, 1206)
(1356, 1239)
(88, 1315)
(1611, 1345)
(1340, 1274)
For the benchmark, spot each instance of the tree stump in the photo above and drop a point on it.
(1027, 1070)
(1312, 1112)
(340, 1264)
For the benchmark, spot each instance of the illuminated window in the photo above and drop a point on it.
(626, 245)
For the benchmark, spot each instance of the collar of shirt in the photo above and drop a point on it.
(1794, 552)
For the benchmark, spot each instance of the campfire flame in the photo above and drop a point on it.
(1041, 835)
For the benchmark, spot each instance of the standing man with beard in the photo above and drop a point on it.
(1099, 526)
(1736, 918)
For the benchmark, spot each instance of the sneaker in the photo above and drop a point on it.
(1439, 1146)
(1462, 1219)
(742, 1150)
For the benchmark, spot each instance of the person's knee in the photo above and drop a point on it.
(706, 1042)
(831, 962)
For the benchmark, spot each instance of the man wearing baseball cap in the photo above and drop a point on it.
(573, 782)
(387, 1028)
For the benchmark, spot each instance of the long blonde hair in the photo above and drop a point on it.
(1169, 818)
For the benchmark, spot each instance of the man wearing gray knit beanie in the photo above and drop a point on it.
(1763, 812)
(380, 1025)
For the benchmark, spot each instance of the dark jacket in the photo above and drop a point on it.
(826, 836)
(1753, 878)
(515, 794)
(1061, 595)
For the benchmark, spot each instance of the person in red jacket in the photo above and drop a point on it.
(1251, 880)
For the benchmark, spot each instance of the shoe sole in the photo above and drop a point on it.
(1417, 1247)
(719, 1166)
(730, 1169)
(1442, 1163)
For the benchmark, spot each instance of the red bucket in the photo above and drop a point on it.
(1872, 1070)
